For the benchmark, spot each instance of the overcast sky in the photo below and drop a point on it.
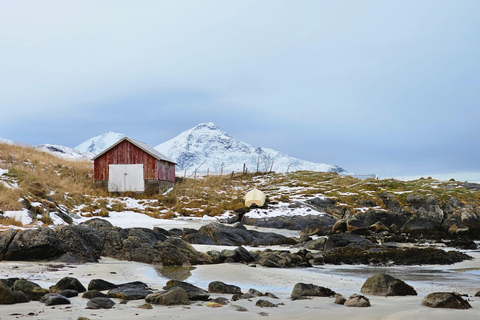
(387, 87)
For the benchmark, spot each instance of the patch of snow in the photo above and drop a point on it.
(22, 216)
(281, 210)
(64, 152)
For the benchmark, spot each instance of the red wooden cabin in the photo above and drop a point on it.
(131, 165)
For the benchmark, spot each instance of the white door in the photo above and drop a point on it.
(126, 177)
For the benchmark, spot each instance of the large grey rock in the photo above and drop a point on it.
(100, 284)
(445, 300)
(321, 222)
(52, 299)
(302, 290)
(357, 300)
(68, 283)
(176, 296)
(100, 303)
(130, 291)
(347, 239)
(221, 287)
(31, 289)
(386, 285)
(94, 294)
(193, 292)
(6, 294)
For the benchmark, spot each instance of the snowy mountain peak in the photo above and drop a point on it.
(64, 152)
(206, 147)
(99, 143)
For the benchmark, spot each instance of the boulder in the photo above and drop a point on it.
(221, 287)
(458, 228)
(6, 294)
(20, 297)
(69, 293)
(130, 291)
(99, 284)
(31, 289)
(340, 226)
(317, 244)
(238, 308)
(52, 299)
(356, 226)
(68, 283)
(347, 239)
(357, 300)
(386, 285)
(221, 300)
(176, 296)
(193, 292)
(323, 222)
(339, 299)
(94, 294)
(302, 290)
(100, 303)
(445, 300)
(477, 294)
(265, 304)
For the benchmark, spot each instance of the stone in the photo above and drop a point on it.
(477, 294)
(176, 296)
(265, 304)
(340, 226)
(146, 306)
(458, 228)
(386, 285)
(238, 308)
(445, 300)
(356, 226)
(221, 300)
(339, 299)
(20, 297)
(270, 295)
(193, 292)
(302, 290)
(100, 303)
(32, 290)
(317, 244)
(236, 297)
(68, 283)
(347, 239)
(357, 300)
(69, 293)
(6, 294)
(94, 294)
(130, 291)
(52, 299)
(221, 287)
(100, 285)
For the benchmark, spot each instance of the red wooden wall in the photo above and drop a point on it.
(128, 153)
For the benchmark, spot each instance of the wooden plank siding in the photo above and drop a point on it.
(128, 153)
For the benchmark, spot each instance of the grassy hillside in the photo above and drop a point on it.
(40, 179)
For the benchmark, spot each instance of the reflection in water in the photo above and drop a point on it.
(175, 272)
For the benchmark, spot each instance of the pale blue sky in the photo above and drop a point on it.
(390, 87)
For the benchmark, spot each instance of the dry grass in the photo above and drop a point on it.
(10, 222)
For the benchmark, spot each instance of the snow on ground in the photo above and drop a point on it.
(281, 209)
(22, 216)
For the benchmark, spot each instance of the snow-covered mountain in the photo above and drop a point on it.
(208, 147)
(64, 152)
(99, 143)
(6, 141)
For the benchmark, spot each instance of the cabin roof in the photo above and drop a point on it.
(142, 145)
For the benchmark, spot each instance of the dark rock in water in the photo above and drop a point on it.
(68, 283)
(176, 296)
(445, 300)
(357, 300)
(302, 290)
(265, 304)
(69, 293)
(193, 292)
(221, 300)
(347, 239)
(238, 235)
(31, 289)
(94, 294)
(386, 285)
(339, 299)
(398, 256)
(52, 299)
(130, 291)
(6, 294)
(221, 287)
(99, 284)
(100, 303)
(324, 222)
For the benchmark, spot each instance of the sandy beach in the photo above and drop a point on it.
(344, 279)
